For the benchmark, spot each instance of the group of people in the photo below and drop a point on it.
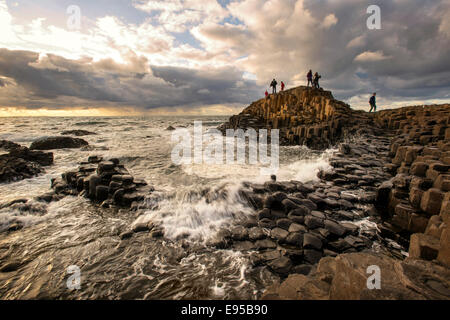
(274, 85)
(313, 80)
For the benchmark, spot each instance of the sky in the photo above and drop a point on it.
(126, 57)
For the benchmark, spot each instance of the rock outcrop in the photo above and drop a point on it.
(416, 201)
(345, 277)
(303, 115)
(106, 182)
(21, 163)
(395, 164)
(50, 143)
(78, 133)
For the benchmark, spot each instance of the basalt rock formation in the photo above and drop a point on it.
(303, 115)
(50, 143)
(416, 201)
(106, 182)
(392, 167)
(21, 163)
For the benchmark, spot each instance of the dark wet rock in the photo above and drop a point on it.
(301, 211)
(295, 227)
(295, 239)
(265, 244)
(22, 163)
(334, 228)
(270, 255)
(170, 128)
(312, 256)
(250, 222)
(313, 222)
(281, 265)
(13, 202)
(267, 223)
(309, 204)
(102, 193)
(284, 223)
(142, 227)
(15, 227)
(157, 233)
(77, 133)
(279, 234)
(296, 219)
(42, 158)
(239, 233)
(304, 269)
(8, 145)
(243, 245)
(126, 235)
(318, 214)
(256, 233)
(289, 205)
(311, 241)
(10, 266)
(264, 214)
(350, 227)
(105, 182)
(58, 143)
(339, 245)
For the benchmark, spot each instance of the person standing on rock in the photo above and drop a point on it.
(316, 80)
(274, 86)
(282, 86)
(267, 94)
(310, 78)
(373, 103)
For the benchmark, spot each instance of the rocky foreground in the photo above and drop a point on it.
(392, 170)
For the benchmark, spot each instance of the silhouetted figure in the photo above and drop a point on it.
(282, 86)
(310, 78)
(316, 80)
(373, 103)
(274, 86)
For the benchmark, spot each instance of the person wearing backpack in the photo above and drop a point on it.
(373, 103)
(309, 76)
(274, 86)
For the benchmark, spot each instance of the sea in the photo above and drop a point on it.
(192, 202)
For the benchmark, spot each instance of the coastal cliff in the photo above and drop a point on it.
(392, 167)
(304, 115)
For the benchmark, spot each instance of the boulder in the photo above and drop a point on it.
(77, 133)
(423, 246)
(310, 241)
(49, 143)
(432, 201)
(334, 228)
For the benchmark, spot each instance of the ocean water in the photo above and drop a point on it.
(191, 202)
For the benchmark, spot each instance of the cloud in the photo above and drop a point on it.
(407, 58)
(369, 56)
(188, 53)
(329, 21)
(46, 80)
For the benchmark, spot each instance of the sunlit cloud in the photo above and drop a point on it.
(188, 55)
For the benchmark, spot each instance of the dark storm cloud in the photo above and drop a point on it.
(50, 83)
(414, 40)
(94, 83)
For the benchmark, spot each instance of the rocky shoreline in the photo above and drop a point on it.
(395, 173)
(384, 201)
